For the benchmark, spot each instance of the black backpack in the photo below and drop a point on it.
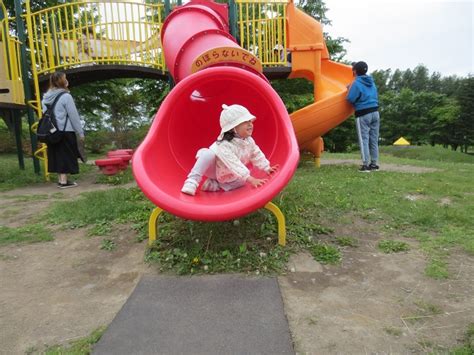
(48, 131)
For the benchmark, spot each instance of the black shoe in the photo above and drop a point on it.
(374, 167)
(364, 169)
(67, 185)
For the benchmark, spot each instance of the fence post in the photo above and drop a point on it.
(16, 116)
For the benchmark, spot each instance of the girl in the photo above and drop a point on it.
(224, 162)
(62, 157)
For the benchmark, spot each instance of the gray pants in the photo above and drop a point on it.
(368, 133)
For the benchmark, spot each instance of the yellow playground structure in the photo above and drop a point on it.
(104, 39)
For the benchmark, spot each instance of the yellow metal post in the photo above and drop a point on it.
(153, 225)
(317, 162)
(281, 222)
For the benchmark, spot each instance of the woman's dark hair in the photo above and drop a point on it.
(228, 136)
(56, 80)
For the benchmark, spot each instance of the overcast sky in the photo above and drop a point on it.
(404, 33)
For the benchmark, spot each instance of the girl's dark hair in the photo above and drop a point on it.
(56, 80)
(228, 136)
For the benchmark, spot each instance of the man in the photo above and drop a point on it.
(363, 96)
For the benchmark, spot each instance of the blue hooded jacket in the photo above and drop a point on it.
(363, 93)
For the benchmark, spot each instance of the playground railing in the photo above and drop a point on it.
(262, 29)
(128, 33)
(96, 32)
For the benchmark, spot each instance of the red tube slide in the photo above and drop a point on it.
(211, 70)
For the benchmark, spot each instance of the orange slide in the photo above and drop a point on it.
(310, 60)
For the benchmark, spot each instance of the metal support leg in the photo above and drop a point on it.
(19, 147)
(317, 162)
(42, 155)
(152, 225)
(281, 222)
(316, 147)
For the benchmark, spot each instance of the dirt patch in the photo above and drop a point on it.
(414, 197)
(445, 201)
(58, 291)
(50, 190)
(377, 303)
(62, 290)
(383, 167)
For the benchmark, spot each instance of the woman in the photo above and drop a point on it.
(62, 157)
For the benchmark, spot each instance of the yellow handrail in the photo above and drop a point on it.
(262, 29)
(96, 32)
(125, 32)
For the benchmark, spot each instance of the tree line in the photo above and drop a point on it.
(426, 108)
(423, 108)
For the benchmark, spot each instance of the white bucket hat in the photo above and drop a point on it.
(232, 116)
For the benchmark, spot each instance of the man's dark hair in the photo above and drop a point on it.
(360, 67)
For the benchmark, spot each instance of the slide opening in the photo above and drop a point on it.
(189, 120)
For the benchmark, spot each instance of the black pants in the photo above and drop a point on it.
(62, 157)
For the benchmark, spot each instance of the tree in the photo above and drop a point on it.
(435, 82)
(295, 93)
(421, 79)
(450, 85)
(35, 5)
(152, 93)
(382, 79)
(113, 105)
(407, 79)
(395, 82)
(342, 137)
(443, 127)
(465, 123)
(408, 114)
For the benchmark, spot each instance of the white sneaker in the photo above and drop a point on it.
(210, 185)
(189, 188)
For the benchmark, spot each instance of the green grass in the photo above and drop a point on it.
(429, 153)
(325, 254)
(100, 208)
(11, 177)
(439, 228)
(467, 348)
(32, 233)
(347, 242)
(108, 244)
(100, 227)
(28, 198)
(392, 246)
(246, 245)
(78, 347)
(121, 178)
(313, 202)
